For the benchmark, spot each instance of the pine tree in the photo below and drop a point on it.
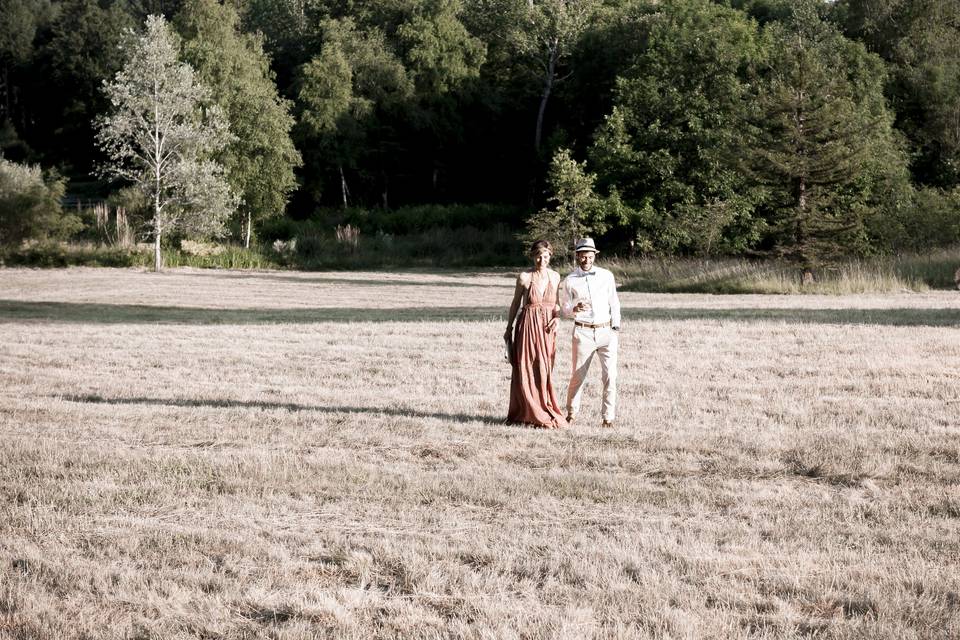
(818, 129)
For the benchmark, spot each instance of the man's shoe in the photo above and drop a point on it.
(606, 424)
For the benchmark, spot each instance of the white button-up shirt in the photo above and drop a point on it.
(597, 287)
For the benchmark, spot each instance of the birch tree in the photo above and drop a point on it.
(163, 134)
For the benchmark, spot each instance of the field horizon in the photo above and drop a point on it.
(276, 454)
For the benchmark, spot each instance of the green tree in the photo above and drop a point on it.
(824, 145)
(291, 33)
(162, 135)
(671, 142)
(439, 52)
(921, 41)
(19, 22)
(574, 209)
(546, 38)
(261, 159)
(344, 90)
(82, 49)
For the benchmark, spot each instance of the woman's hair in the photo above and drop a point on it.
(540, 245)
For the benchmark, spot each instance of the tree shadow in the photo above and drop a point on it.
(287, 406)
(97, 313)
(340, 280)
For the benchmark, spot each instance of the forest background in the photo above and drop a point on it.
(442, 132)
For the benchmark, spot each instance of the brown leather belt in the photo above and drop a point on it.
(591, 326)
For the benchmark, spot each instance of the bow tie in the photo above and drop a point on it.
(589, 273)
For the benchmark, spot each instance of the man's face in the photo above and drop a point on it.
(585, 259)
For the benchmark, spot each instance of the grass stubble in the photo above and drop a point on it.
(281, 455)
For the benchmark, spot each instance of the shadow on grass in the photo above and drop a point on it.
(93, 313)
(509, 280)
(288, 406)
(906, 317)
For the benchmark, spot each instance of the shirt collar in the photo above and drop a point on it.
(581, 272)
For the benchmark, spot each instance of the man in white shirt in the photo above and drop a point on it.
(589, 296)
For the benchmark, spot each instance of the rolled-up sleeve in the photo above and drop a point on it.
(614, 303)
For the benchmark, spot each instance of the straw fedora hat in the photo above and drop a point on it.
(586, 244)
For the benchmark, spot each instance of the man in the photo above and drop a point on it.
(589, 296)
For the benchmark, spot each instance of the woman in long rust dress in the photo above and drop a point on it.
(533, 346)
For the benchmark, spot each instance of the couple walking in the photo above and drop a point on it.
(589, 296)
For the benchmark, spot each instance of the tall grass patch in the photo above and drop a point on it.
(882, 274)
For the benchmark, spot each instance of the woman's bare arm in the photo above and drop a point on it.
(515, 305)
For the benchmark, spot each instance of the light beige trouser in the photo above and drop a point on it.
(587, 342)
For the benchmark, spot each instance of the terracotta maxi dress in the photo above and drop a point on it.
(532, 399)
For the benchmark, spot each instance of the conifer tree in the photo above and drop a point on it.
(820, 131)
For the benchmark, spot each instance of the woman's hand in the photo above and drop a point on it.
(552, 324)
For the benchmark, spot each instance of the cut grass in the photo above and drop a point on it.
(285, 455)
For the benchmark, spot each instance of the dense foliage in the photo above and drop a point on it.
(804, 129)
(30, 205)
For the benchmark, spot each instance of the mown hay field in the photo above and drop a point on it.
(212, 454)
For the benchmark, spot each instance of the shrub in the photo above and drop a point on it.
(439, 247)
(59, 254)
(418, 218)
(30, 205)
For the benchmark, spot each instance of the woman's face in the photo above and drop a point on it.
(541, 259)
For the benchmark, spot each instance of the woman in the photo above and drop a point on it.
(533, 346)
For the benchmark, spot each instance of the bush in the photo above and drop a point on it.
(53, 254)
(479, 235)
(441, 247)
(30, 205)
(402, 221)
(415, 219)
(60, 254)
(286, 229)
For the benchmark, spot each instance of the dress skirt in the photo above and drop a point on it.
(532, 398)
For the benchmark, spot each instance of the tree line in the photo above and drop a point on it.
(804, 129)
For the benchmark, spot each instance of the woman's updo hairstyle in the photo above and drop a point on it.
(540, 245)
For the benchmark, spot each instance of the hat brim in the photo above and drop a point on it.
(587, 250)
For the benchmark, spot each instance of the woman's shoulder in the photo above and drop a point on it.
(524, 277)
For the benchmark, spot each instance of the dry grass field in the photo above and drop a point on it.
(210, 454)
